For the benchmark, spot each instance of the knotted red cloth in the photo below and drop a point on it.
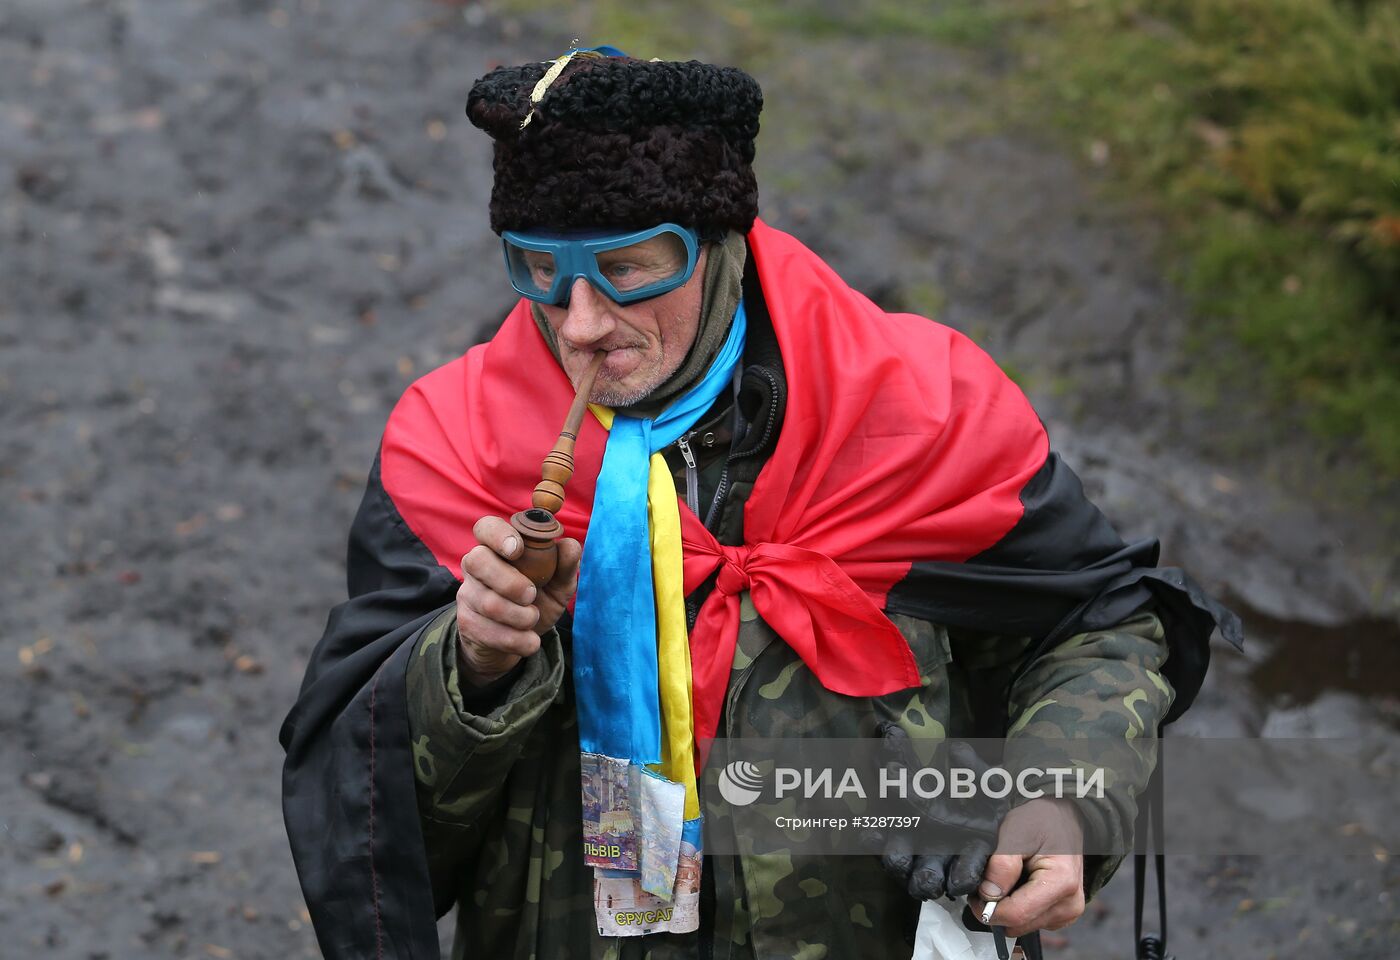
(902, 441)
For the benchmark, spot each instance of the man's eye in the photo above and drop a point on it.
(624, 274)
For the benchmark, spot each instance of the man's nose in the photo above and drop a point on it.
(588, 319)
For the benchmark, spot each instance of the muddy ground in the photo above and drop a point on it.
(232, 232)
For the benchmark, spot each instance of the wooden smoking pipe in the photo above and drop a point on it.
(537, 526)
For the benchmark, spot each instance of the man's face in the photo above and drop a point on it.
(645, 342)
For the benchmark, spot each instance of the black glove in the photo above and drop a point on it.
(965, 828)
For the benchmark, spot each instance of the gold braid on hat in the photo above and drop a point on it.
(552, 74)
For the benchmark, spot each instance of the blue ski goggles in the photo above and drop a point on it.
(625, 266)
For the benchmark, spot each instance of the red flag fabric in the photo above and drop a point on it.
(902, 441)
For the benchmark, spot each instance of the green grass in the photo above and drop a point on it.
(656, 28)
(1267, 132)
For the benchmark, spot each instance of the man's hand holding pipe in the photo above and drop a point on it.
(500, 614)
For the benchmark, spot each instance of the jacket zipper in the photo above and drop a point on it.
(722, 490)
(768, 426)
(692, 474)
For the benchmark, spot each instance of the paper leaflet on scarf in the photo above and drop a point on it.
(662, 817)
(632, 821)
(624, 909)
(629, 809)
(609, 827)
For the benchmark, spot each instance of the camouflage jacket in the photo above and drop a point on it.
(499, 790)
(498, 775)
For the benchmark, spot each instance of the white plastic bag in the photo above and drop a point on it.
(942, 936)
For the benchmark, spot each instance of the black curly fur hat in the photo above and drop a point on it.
(621, 143)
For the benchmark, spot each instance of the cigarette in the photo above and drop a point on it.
(987, 912)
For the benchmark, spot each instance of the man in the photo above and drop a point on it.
(799, 517)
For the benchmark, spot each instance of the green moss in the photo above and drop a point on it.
(927, 299)
(1268, 133)
(1018, 375)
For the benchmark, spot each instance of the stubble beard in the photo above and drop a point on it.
(606, 396)
(613, 394)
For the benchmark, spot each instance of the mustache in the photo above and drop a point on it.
(606, 347)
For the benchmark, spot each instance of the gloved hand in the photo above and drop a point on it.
(964, 830)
